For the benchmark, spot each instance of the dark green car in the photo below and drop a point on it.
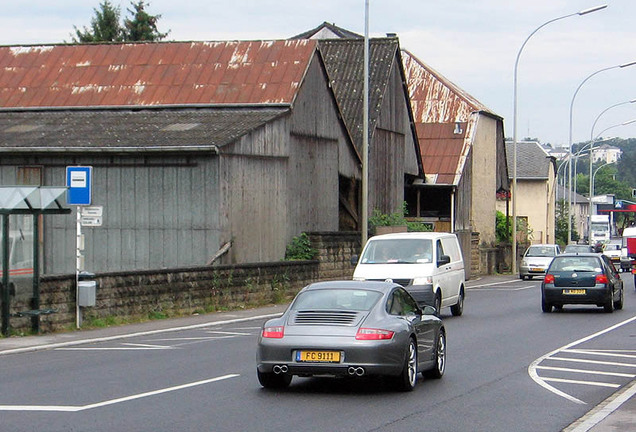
(581, 278)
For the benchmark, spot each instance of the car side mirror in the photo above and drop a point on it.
(444, 259)
(354, 260)
(429, 310)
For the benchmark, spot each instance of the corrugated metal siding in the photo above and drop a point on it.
(146, 74)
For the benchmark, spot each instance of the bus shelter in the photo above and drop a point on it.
(27, 203)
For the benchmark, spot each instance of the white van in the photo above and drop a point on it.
(428, 264)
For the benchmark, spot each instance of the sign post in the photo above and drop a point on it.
(79, 182)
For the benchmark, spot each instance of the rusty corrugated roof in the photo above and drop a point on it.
(441, 149)
(150, 74)
(443, 114)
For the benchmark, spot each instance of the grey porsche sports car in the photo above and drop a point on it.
(354, 329)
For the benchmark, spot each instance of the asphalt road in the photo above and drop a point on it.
(510, 367)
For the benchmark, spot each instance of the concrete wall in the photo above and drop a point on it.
(484, 167)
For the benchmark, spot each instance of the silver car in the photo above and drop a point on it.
(536, 260)
(352, 329)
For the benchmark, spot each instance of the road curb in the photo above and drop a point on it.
(603, 410)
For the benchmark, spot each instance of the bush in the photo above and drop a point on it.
(300, 249)
(396, 219)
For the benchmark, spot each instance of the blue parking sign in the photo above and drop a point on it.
(79, 182)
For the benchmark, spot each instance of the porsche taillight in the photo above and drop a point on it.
(374, 334)
(276, 332)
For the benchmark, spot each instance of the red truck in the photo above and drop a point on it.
(628, 252)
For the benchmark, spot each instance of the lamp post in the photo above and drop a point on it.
(594, 175)
(514, 127)
(624, 65)
(365, 130)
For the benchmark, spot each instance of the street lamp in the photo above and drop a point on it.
(514, 127)
(594, 175)
(365, 130)
(570, 138)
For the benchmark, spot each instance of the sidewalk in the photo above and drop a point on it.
(616, 413)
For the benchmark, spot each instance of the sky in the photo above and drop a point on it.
(560, 96)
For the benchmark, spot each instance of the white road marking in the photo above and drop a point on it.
(228, 333)
(504, 289)
(592, 383)
(585, 371)
(131, 348)
(532, 368)
(131, 335)
(476, 287)
(76, 408)
(201, 338)
(577, 360)
(600, 353)
(146, 346)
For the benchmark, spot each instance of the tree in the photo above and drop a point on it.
(105, 26)
(561, 228)
(143, 26)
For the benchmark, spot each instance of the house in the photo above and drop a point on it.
(395, 162)
(536, 175)
(394, 159)
(204, 151)
(462, 146)
(198, 149)
(580, 209)
(606, 153)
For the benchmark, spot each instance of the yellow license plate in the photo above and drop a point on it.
(574, 291)
(318, 356)
(537, 269)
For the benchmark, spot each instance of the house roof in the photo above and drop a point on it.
(123, 130)
(328, 31)
(442, 114)
(441, 150)
(344, 61)
(436, 99)
(153, 74)
(533, 162)
(563, 193)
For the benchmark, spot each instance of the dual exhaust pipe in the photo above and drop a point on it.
(357, 371)
(279, 369)
(352, 370)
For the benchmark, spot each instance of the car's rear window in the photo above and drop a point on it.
(579, 264)
(339, 299)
